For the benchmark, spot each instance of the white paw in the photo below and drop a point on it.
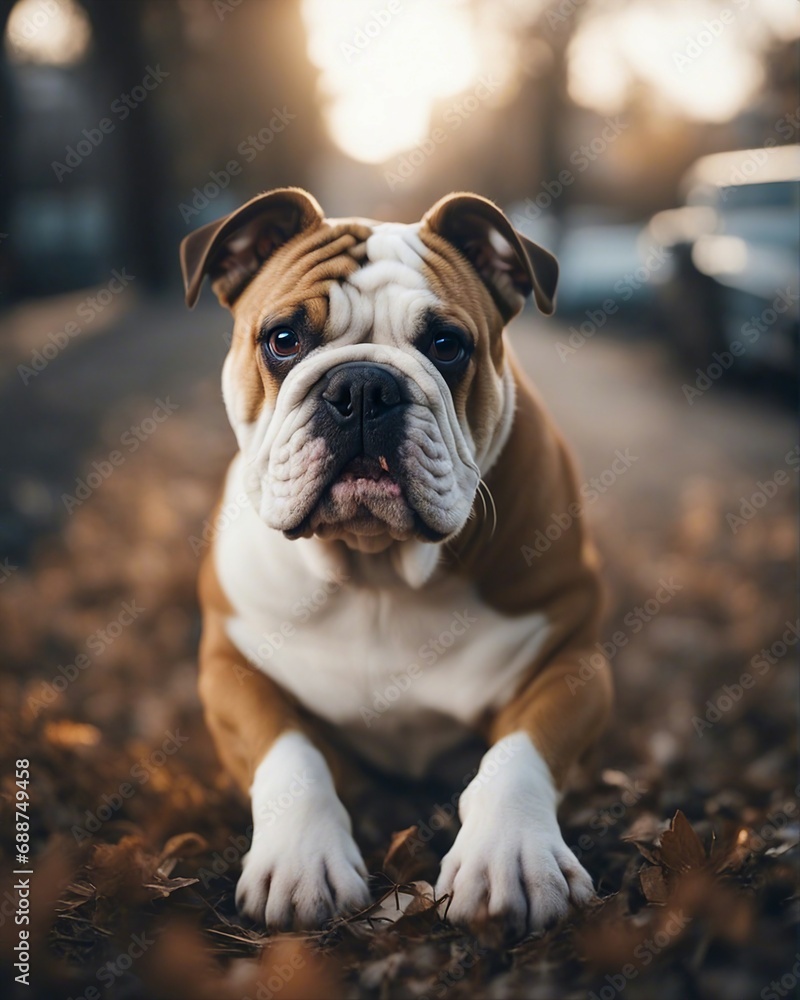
(301, 878)
(524, 878)
(509, 863)
(303, 866)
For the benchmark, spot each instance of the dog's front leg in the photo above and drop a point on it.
(303, 866)
(509, 863)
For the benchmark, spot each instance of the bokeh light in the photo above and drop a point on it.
(383, 68)
(57, 33)
(699, 61)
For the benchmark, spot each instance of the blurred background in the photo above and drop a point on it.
(650, 144)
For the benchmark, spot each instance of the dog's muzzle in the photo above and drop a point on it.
(360, 414)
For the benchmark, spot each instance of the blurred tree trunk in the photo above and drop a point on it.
(8, 176)
(146, 182)
(556, 111)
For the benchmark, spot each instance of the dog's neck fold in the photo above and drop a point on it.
(412, 562)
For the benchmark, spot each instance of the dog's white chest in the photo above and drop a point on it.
(402, 674)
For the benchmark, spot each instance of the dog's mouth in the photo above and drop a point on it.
(364, 498)
(365, 475)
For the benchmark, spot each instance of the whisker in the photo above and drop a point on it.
(482, 483)
(483, 500)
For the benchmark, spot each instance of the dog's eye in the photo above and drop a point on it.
(447, 350)
(282, 344)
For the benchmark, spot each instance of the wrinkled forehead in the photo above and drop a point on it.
(388, 294)
(358, 280)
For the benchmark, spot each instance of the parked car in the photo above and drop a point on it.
(734, 246)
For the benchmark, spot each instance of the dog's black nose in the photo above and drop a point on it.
(359, 392)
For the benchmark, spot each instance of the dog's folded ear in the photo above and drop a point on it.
(232, 249)
(510, 265)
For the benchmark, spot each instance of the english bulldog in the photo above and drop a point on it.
(394, 461)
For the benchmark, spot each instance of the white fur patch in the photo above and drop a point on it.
(388, 295)
(404, 674)
(303, 866)
(509, 861)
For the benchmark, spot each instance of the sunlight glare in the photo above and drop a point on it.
(55, 33)
(380, 81)
(690, 71)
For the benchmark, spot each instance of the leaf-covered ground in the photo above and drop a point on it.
(686, 814)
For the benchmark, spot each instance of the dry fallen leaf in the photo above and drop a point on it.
(127, 872)
(654, 885)
(408, 858)
(681, 850)
(183, 845)
(403, 901)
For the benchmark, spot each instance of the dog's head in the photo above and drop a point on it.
(366, 381)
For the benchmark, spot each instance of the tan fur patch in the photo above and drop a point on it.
(299, 274)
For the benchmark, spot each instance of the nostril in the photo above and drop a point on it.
(383, 395)
(340, 398)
